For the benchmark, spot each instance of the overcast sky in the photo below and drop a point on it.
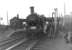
(41, 7)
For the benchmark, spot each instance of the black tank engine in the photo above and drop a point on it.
(33, 25)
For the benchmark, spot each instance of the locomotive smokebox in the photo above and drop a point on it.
(32, 10)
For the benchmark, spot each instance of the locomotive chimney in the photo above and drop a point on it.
(32, 10)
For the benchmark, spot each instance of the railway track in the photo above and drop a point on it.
(25, 45)
(18, 44)
(28, 45)
(7, 44)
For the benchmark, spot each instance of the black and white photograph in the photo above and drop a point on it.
(35, 24)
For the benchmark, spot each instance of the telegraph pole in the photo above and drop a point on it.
(64, 12)
(7, 18)
(64, 9)
(49, 12)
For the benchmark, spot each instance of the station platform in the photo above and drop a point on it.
(57, 44)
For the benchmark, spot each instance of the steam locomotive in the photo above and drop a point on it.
(33, 25)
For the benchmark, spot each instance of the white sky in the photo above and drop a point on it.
(41, 7)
